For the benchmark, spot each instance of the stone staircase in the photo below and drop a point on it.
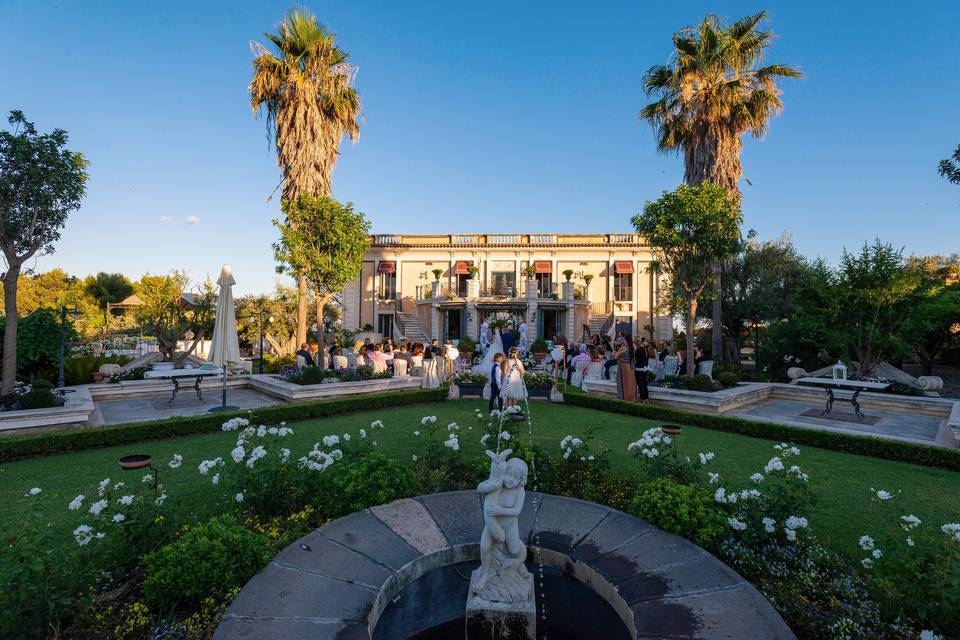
(409, 327)
(597, 323)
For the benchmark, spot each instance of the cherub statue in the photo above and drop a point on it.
(502, 552)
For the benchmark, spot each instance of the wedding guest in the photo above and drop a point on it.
(626, 378)
(496, 381)
(619, 351)
(640, 362)
(306, 354)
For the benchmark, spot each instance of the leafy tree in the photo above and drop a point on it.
(41, 182)
(714, 90)
(38, 351)
(108, 288)
(950, 168)
(689, 230)
(168, 315)
(328, 259)
(933, 320)
(304, 88)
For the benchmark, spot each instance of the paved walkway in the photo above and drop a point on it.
(347, 577)
(901, 426)
(156, 407)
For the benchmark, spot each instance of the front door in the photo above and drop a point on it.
(454, 325)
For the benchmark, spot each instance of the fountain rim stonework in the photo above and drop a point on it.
(338, 581)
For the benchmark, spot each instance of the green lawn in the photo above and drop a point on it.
(841, 482)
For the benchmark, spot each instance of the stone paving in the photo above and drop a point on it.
(337, 581)
(156, 407)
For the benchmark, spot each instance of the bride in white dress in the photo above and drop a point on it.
(486, 366)
(513, 389)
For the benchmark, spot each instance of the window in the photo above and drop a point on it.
(504, 283)
(544, 284)
(387, 288)
(385, 325)
(623, 287)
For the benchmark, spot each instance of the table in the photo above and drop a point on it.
(857, 385)
(175, 375)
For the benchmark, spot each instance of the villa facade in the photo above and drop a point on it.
(444, 286)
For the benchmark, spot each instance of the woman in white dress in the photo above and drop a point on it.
(513, 389)
(431, 379)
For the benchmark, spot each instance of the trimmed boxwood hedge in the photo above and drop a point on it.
(862, 445)
(17, 447)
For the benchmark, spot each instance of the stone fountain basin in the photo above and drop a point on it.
(341, 580)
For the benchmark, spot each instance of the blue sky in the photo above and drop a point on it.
(485, 117)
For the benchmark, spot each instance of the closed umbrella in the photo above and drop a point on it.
(225, 347)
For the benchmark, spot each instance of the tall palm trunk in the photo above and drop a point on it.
(10, 329)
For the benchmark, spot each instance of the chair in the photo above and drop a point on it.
(301, 362)
(669, 368)
(576, 378)
(379, 366)
(361, 361)
(340, 362)
(416, 368)
(594, 372)
(706, 368)
(400, 367)
(653, 364)
(351, 359)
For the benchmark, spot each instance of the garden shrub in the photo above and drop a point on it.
(466, 345)
(80, 369)
(539, 346)
(373, 479)
(274, 364)
(210, 559)
(728, 379)
(700, 382)
(686, 510)
(38, 343)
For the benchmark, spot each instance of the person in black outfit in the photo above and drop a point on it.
(306, 354)
(496, 377)
(640, 362)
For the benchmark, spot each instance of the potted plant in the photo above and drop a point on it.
(531, 270)
(466, 346)
(588, 278)
(538, 384)
(437, 273)
(539, 349)
(470, 383)
(568, 273)
(473, 271)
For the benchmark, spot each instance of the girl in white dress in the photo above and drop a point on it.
(513, 389)
(431, 378)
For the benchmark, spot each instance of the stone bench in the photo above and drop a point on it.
(340, 580)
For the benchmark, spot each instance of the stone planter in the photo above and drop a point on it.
(470, 389)
(538, 357)
(539, 391)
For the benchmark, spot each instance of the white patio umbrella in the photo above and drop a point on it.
(225, 347)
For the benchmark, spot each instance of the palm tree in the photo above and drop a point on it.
(714, 90)
(305, 90)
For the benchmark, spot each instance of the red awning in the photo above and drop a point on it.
(623, 266)
(543, 266)
(387, 266)
(462, 267)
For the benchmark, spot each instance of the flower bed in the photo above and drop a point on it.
(470, 383)
(316, 375)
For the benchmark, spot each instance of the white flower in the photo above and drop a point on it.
(363, 433)
(909, 541)
(866, 543)
(125, 500)
(147, 477)
(206, 465)
(926, 634)
(775, 464)
(749, 494)
(566, 454)
(261, 431)
(795, 470)
(98, 506)
(867, 563)
(720, 495)
(706, 457)
(234, 423)
(757, 477)
(769, 524)
(881, 494)
(257, 453)
(376, 424)
(336, 454)
(877, 553)
(453, 426)
(416, 433)
(238, 496)
(329, 441)
(791, 534)
(102, 487)
(34, 491)
(83, 535)
(215, 479)
(160, 498)
(414, 457)
(910, 522)
(796, 522)
(118, 518)
(484, 438)
(590, 458)
(504, 435)
(77, 502)
(346, 437)
(714, 477)
(119, 485)
(736, 525)
(952, 529)
(284, 455)
(176, 462)
(425, 420)
(238, 454)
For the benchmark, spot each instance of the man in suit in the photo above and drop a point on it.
(496, 379)
(306, 354)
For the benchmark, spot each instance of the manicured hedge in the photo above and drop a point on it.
(15, 448)
(862, 445)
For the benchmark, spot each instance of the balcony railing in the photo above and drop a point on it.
(504, 239)
(387, 238)
(390, 239)
(622, 238)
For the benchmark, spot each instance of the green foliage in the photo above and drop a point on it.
(888, 449)
(211, 558)
(108, 288)
(17, 447)
(466, 345)
(469, 377)
(950, 168)
(686, 510)
(373, 479)
(567, 273)
(436, 274)
(728, 379)
(38, 344)
(165, 315)
(700, 382)
(36, 398)
(80, 369)
(313, 375)
(539, 346)
(276, 364)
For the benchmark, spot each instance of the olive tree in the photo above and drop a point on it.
(689, 230)
(41, 182)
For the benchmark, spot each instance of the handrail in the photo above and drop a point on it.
(609, 324)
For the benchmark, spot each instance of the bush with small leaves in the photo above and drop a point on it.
(685, 510)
